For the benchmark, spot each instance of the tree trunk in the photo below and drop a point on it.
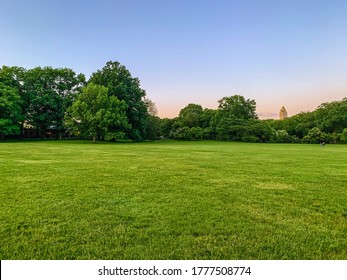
(2, 137)
(94, 139)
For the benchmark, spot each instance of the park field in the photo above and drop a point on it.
(172, 200)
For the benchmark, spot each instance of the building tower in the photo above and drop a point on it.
(283, 113)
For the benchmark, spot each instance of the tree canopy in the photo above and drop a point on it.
(237, 107)
(51, 91)
(122, 85)
(96, 114)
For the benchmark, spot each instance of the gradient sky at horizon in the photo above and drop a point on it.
(290, 52)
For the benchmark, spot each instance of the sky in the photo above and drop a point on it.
(288, 52)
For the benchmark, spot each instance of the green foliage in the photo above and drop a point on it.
(96, 114)
(51, 92)
(188, 133)
(206, 118)
(335, 137)
(343, 136)
(261, 130)
(122, 85)
(230, 129)
(282, 136)
(332, 116)
(10, 116)
(153, 128)
(237, 107)
(190, 115)
(315, 135)
(14, 77)
(247, 131)
(166, 127)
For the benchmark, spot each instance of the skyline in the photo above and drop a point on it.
(292, 53)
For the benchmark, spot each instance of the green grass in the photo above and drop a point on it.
(172, 200)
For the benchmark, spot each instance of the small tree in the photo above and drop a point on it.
(95, 113)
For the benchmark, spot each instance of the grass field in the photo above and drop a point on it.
(172, 200)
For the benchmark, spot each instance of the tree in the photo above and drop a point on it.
(332, 117)
(315, 135)
(151, 108)
(10, 116)
(190, 115)
(51, 92)
(206, 117)
(166, 125)
(282, 136)
(233, 118)
(153, 128)
(238, 107)
(14, 77)
(122, 85)
(153, 122)
(95, 113)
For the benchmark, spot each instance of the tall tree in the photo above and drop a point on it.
(122, 85)
(10, 111)
(51, 91)
(95, 113)
(15, 77)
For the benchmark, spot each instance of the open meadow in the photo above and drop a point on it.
(172, 200)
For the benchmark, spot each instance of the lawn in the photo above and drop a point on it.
(172, 200)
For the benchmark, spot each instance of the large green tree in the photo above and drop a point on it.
(233, 117)
(332, 116)
(122, 85)
(96, 114)
(15, 78)
(10, 111)
(237, 107)
(51, 92)
(190, 115)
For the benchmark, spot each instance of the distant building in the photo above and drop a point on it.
(283, 113)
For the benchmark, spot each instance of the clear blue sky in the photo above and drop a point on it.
(278, 52)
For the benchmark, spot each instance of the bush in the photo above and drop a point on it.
(250, 138)
(343, 136)
(315, 136)
(282, 136)
(188, 133)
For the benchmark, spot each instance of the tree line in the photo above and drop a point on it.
(112, 106)
(56, 98)
(235, 119)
